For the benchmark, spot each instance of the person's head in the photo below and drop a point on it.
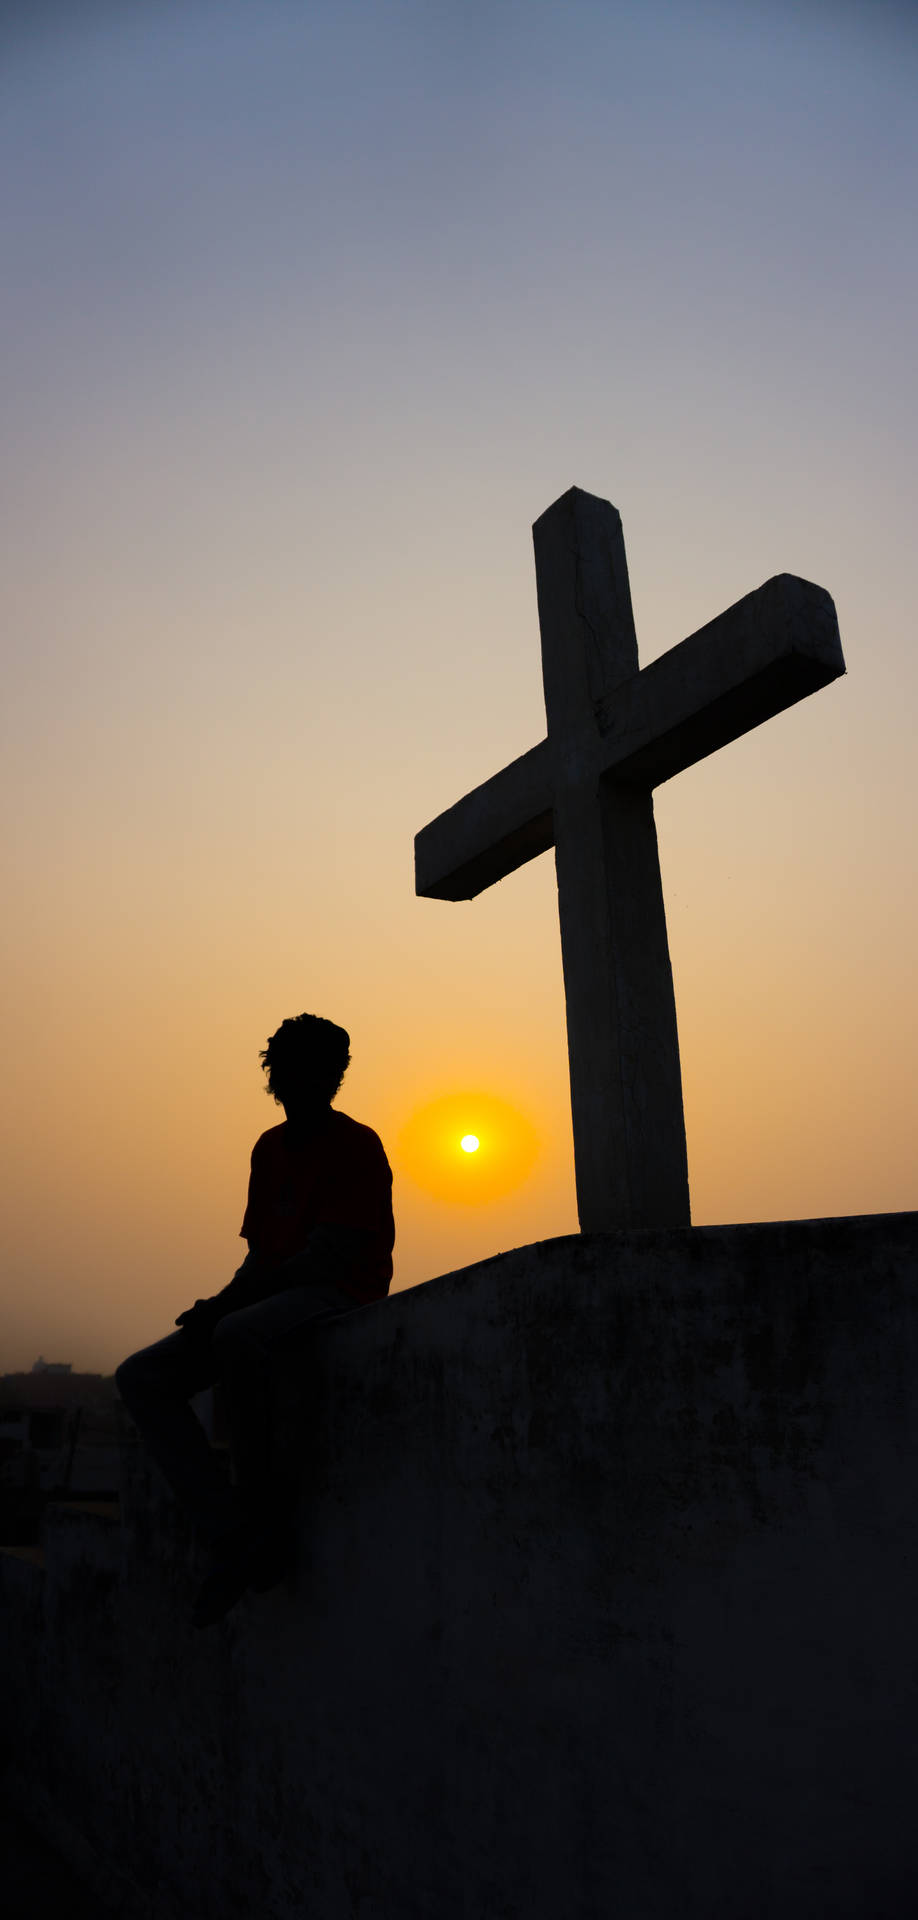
(305, 1061)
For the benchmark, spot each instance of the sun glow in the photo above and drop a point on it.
(491, 1161)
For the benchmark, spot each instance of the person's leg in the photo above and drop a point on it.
(156, 1385)
(247, 1345)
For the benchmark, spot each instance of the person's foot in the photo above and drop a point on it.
(272, 1560)
(226, 1579)
(244, 1558)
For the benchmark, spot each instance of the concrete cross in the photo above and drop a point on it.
(614, 734)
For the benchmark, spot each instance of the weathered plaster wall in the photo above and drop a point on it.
(607, 1607)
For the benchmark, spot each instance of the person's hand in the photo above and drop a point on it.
(200, 1320)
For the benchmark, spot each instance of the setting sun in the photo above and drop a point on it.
(491, 1161)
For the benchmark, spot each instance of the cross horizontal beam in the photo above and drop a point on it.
(763, 654)
(771, 649)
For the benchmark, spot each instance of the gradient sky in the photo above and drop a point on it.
(308, 312)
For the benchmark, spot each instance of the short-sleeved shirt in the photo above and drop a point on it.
(339, 1178)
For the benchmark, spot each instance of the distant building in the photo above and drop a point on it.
(51, 1366)
(58, 1432)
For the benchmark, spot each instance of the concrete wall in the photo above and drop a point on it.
(607, 1607)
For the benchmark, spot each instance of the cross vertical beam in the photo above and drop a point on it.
(626, 1088)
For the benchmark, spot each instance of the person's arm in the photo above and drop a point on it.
(329, 1253)
(351, 1243)
(250, 1283)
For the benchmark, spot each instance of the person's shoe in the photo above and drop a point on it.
(272, 1560)
(225, 1582)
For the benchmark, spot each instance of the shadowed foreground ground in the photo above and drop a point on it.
(604, 1604)
(35, 1881)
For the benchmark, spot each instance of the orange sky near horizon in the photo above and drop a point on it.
(305, 327)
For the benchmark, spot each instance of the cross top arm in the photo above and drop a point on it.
(771, 649)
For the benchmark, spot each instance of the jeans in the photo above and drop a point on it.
(157, 1383)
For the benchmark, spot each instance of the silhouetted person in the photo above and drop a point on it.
(320, 1233)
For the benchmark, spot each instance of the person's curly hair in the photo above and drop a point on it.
(306, 1048)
